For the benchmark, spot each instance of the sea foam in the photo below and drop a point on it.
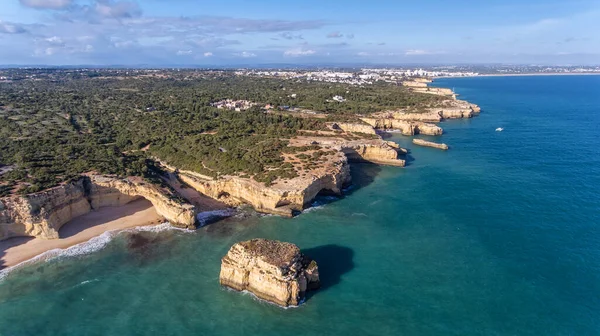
(93, 245)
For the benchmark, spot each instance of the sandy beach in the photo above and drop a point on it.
(138, 213)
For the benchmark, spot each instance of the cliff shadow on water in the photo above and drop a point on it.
(334, 261)
(363, 174)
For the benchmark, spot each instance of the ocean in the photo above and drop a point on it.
(500, 235)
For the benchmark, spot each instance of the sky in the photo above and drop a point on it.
(247, 32)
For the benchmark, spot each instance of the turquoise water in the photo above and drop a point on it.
(498, 236)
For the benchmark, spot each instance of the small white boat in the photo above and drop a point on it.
(499, 129)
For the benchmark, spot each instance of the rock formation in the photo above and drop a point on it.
(273, 271)
(353, 127)
(110, 191)
(426, 143)
(435, 91)
(405, 127)
(42, 214)
(280, 198)
(287, 197)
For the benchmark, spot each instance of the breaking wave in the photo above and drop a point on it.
(93, 245)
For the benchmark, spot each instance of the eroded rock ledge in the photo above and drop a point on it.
(272, 270)
(42, 214)
(426, 143)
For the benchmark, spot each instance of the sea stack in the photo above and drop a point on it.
(426, 143)
(272, 270)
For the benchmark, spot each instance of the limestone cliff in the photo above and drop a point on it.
(435, 91)
(353, 127)
(272, 270)
(453, 109)
(108, 191)
(280, 198)
(380, 154)
(405, 127)
(432, 117)
(286, 197)
(42, 214)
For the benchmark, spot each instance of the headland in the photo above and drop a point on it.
(275, 158)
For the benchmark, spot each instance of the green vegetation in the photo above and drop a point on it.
(57, 124)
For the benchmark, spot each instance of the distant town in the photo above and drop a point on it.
(351, 76)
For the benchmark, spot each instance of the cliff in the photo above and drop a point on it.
(280, 198)
(435, 91)
(453, 109)
(109, 191)
(426, 143)
(272, 270)
(406, 127)
(288, 196)
(42, 214)
(353, 127)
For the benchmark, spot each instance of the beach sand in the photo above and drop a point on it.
(81, 229)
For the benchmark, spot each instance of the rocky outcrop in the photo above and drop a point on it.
(109, 191)
(380, 154)
(353, 127)
(454, 109)
(42, 214)
(434, 91)
(280, 198)
(289, 196)
(426, 143)
(405, 127)
(431, 117)
(273, 271)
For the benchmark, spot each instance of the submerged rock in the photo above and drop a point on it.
(426, 143)
(272, 270)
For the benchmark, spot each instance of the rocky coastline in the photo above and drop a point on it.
(42, 214)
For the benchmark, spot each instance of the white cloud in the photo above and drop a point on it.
(363, 53)
(184, 52)
(245, 54)
(412, 52)
(299, 52)
(208, 54)
(46, 4)
(54, 40)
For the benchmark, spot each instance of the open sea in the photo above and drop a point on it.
(500, 235)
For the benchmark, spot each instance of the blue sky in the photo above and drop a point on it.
(230, 32)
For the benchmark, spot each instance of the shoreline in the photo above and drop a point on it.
(22, 250)
(522, 75)
(18, 250)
